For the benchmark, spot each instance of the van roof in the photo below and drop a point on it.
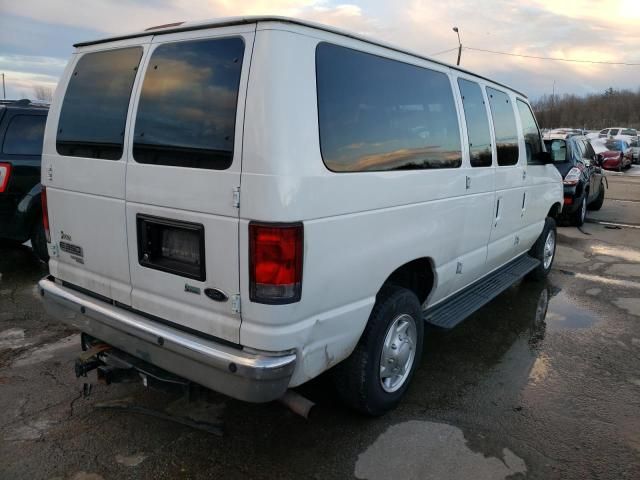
(228, 21)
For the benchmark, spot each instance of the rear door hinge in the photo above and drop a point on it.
(236, 197)
(235, 303)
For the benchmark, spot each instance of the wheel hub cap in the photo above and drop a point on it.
(549, 249)
(398, 353)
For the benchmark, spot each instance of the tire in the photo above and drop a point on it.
(578, 217)
(359, 379)
(39, 242)
(597, 203)
(540, 247)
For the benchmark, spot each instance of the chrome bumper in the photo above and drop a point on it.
(253, 377)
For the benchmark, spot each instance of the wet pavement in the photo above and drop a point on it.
(542, 383)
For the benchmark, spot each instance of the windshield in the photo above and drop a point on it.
(616, 146)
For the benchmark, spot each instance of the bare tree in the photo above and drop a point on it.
(608, 109)
(42, 93)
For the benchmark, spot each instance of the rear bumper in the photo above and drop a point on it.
(249, 376)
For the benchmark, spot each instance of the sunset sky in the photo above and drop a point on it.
(36, 37)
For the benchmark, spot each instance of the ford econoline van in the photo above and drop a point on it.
(247, 203)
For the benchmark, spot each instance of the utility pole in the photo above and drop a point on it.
(455, 29)
(4, 92)
(553, 101)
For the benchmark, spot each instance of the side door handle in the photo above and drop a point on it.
(524, 204)
(497, 217)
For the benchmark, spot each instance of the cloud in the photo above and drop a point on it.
(583, 29)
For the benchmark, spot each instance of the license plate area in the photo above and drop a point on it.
(172, 246)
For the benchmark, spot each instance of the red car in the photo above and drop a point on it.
(617, 156)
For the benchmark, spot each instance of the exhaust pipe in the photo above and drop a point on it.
(297, 403)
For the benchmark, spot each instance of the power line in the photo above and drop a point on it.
(444, 51)
(558, 59)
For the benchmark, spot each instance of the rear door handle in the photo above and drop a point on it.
(495, 223)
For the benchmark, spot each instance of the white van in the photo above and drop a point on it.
(249, 202)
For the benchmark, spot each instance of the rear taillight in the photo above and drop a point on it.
(45, 213)
(573, 176)
(275, 262)
(5, 171)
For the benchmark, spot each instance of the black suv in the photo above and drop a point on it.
(21, 134)
(577, 162)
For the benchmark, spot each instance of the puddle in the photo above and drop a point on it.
(409, 451)
(563, 313)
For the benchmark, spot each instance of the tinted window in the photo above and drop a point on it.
(380, 114)
(187, 111)
(578, 150)
(604, 132)
(504, 125)
(94, 110)
(24, 135)
(613, 131)
(532, 138)
(630, 132)
(475, 113)
(589, 152)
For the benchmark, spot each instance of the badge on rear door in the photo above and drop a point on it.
(191, 289)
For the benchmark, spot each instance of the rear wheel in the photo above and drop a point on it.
(378, 372)
(578, 217)
(597, 203)
(39, 242)
(544, 250)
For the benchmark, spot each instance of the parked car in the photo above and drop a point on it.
(577, 162)
(279, 198)
(614, 154)
(635, 151)
(618, 133)
(561, 133)
(21, 133)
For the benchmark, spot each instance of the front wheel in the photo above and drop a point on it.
(378, 372)
(544, 250)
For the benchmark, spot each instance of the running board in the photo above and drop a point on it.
(454, 310)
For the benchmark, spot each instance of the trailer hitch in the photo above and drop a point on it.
(88, 360)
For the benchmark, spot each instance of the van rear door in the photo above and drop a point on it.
(183, 176)
(84, 165)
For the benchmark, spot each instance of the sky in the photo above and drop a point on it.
(36, 36)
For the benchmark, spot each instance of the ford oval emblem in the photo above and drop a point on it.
(216, 294)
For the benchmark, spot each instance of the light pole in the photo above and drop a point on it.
(455, 29)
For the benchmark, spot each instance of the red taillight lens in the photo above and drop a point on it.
(5, 171)
(568, 200)
(45, 213)
(275, 262)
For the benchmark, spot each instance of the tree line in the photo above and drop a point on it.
(613, 108)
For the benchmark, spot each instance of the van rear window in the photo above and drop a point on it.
(504, 125)
(380, 114)
(94, 110)
(187, 111)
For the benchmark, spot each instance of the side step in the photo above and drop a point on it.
(455, 309)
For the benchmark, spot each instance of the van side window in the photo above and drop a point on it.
(187, 111)
(504, 125)
(379, 114)
(24, 135)
(532, 138)
(475, 114)
(94, 110)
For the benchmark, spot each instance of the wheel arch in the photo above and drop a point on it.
(418, 275)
